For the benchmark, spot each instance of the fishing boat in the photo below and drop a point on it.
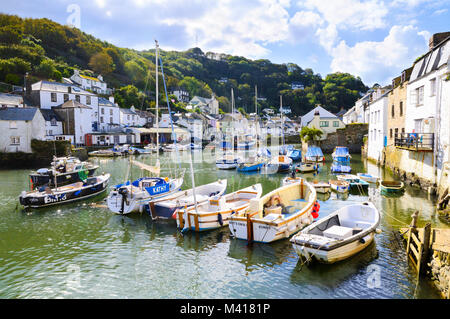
(341, 154)
(321, 187)
(215, 212)
(356, 183)
(277, 215)
(314, 154)
(228, 161)
(46, 196)
(368, 177)
(339, 186)
(340, 168)
(167, 207)
(338, 236)
(176, 147)
(295, 155)
(306, 167)
(131, 197)
(63, 171)
(392, 186)
(252, 164)
(280, 163)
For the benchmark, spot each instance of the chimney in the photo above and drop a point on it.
(111, 99)
(437, 38)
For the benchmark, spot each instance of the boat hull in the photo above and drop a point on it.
(61, 178)
(58, 198)
(250, 168)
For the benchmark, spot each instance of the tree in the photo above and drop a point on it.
(310, 134)
(102, 63)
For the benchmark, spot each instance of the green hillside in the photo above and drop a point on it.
(48, 50)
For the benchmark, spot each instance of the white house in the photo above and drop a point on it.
(90, 83)
(377, 135)
(19, 126)
(209, 106)
(77, 119)
(53, 124)
(108, 115)
(128, 117)
(428, 100)
(323, 120)
(48, 94)
(11, 100)
(182, 95)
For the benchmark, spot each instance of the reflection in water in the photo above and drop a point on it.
(133, 256)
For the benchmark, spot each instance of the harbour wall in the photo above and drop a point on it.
(439, 272)
(352, 136)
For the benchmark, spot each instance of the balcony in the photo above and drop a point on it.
(419, 142)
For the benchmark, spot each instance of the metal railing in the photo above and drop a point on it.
(415, 141)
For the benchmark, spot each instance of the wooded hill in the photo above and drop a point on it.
(48, 50)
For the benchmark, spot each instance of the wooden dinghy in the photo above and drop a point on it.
(277, 215)
(392, 186)
(339, 186)
(306, 167)
(166, 207)
(216, 212)
(321, 187)
(338, 236)
(368, 177)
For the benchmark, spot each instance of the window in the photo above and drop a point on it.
(396, 133)
(335, 123)
(390, 133)
(12, 124)
(77, 98)
(403, 130)
(88, 100)
(110, 120)
(433, 87)
(50, 132)
(53, 97)
(401, 108)
(393, 112)
(128, 117)
(53, 122)
(66, 97)
(101, 119)
(102, 111)
(15, 140)
(419, 96)
(324, 123)
(111, 112)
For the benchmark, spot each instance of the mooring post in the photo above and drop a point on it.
(411, 227)
(426, 244)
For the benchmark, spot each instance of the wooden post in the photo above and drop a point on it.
(411, 227)
(426, 244)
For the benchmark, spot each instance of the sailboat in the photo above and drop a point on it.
(229, 159)
(282, 162)
(134, 196)
(137, 195)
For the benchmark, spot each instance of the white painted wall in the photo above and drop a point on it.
(377, 128)
(46, 99)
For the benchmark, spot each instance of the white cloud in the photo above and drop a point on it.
(380, 61)
(348, 14)
(303, 25)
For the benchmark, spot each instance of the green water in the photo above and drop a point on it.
(79, 251)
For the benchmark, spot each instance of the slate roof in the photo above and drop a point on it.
(18, 113)
(308, 117)
(72, 104)
(105, 102)
(58, 87)
(50, 114)
(10, 99)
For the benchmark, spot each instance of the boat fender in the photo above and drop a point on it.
(378, 231)
(220, 219)
(364, 239)
(315, 210)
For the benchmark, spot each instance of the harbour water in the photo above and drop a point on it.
(80, 251)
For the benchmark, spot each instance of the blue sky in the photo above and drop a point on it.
(372, 39)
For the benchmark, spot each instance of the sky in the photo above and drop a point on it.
(373, 39)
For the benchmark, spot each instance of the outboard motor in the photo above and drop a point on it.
(124, 192)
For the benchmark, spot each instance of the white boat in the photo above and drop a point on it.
(368, 177)
(282, 163)
(321, 187)
(228, 161)
(307, 167)
(131, 197)
(215, 212)
(277, 215)
(178, 147)
(167, 207)
(290, 180)
(338, 236)
(339, 186)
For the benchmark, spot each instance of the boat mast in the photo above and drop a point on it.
(282, 120)
(156, 94)
(232, 119)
